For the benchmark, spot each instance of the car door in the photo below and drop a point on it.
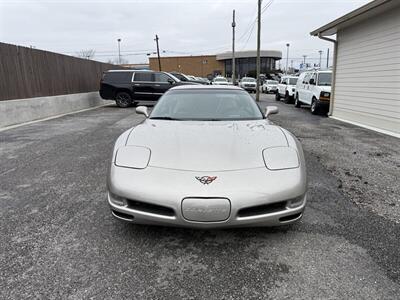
(162, 83)
(305, 88)
(310, 88)
(143, 85)
(282, 87)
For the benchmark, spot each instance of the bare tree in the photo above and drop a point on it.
(87, 54)
(114, 61)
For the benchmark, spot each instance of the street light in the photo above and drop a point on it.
(320, 58)
(287, 57)
(304, 60)
(119, 51)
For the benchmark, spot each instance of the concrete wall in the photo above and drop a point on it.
(14, 112)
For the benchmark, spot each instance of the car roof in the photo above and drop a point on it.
(206, 87)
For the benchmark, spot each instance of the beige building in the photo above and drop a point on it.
(211, 65)
(366, 81)
(201, 65)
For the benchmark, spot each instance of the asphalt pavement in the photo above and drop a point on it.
(59, 241)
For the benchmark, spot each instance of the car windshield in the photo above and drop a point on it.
(324, 78)
(272, 82)
(206, 105)
(248, 80)
(293, 81)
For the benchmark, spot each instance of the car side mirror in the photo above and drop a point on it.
(142, 110)
(312, 81)
(171, 81)
(270, 110)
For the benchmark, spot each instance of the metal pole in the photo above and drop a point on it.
(158, 53)
(233, 49)
(258, 50)
(320, 58)
(287, 57)
(119, 51)
(327, 59)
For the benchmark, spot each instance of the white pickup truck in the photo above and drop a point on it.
(287, 89)
(314, 88)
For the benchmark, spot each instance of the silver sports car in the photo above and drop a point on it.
(207, 157)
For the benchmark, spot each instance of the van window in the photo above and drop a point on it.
(314, 76)
(161, 77)
(324, 78)
(307, 78)
(118, 77)
(143, 76)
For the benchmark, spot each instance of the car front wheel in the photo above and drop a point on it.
(314, 106)
(287, 98)
(297, 103)
(277, 96)
(123, 99)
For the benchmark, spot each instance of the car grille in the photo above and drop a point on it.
(262, 209)
(249, 85)
(150, 208)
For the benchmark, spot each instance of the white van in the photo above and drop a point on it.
(314, 88)
(287, 88)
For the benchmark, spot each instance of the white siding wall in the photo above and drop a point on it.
(367, 89)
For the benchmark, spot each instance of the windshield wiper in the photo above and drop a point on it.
(164, 118)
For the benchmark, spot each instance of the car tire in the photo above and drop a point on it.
(297, 102)
(287, 98)
(314, 106)
(277, 96)
(123, 99)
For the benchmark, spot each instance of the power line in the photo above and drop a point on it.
(268, 4)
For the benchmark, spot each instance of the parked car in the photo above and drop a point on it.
(249, 84)
(314, 88)
(128, 87)
(220, 81)
(260, 180)
(269, 86)
(287, 88)
(187, 78)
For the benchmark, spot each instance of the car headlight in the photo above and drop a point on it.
(135, 157)
(325, 94)
(281, 158)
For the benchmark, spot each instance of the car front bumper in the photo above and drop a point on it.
(157, 197)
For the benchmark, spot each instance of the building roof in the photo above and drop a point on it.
(364, 12)
(250, 53)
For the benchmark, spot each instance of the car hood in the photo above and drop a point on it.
(325, 88)
(207, 146)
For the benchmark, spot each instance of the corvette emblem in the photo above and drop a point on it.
(206, 179)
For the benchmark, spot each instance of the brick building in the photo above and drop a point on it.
(212, 65)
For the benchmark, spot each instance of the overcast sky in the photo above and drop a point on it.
(185, 27)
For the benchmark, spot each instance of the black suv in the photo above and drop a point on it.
(127, 87)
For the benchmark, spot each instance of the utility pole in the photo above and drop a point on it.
(158, 53)
(258, 50)
(233, 49)
(304, 60)
(287, 57)
(119, 51)
(320, 58)
(327, 59)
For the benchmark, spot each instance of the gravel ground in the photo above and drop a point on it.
(366, 163)
(59, 241)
